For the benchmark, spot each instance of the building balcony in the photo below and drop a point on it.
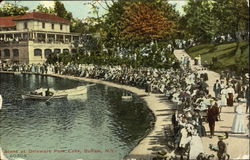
(13, 43)
(52, 41)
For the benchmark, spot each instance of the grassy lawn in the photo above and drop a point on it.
(228, 56)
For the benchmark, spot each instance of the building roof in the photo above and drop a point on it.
(42, 16)
(8, 21)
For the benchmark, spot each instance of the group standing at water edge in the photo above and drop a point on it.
(186, 88)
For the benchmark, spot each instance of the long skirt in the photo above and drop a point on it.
(230, 99)
(201, 130)
(223, 100)
(196, 147)
(238, 124)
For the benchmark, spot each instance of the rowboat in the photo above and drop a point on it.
(39, 97)
(127, 98)
(17, 73)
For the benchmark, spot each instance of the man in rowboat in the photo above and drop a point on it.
(36, 92)
(48, 93)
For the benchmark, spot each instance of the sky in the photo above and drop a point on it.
(80, 9)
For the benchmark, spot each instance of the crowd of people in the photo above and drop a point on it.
(187, 88)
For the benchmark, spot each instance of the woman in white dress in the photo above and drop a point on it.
(223, 101)
(196, 145)
(199, 60)
(238, 122)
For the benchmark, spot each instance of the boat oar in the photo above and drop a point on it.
(47, 101)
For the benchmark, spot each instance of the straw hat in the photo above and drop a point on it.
(223, 136)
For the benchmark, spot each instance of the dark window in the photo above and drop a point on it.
(15, 52)
(57, 50)
(52, 26)
(61, 26)
(43, 25)
(25, 25)
(37, 52)
(47, 52)
(65, 50)
(6, 53)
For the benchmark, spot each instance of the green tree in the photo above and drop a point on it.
(233, 16)
(207, 19)
(61, 11)
(42, 8)
(9, 9)
(200, 21)
(78, 26)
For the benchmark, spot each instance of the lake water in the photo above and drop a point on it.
(97, 125)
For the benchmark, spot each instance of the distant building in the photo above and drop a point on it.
(32, 37)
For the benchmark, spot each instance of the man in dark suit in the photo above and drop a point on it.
(212, 113)
(247, 98)
(217, 88)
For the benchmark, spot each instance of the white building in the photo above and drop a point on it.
(32, 37)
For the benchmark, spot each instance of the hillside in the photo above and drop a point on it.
(219, 57)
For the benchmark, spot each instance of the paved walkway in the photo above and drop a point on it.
(212, 76)
(238, 144)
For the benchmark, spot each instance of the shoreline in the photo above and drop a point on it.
(160, 108)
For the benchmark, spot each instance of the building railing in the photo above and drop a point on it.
(21, 42)
(9, 43)
(53, 41)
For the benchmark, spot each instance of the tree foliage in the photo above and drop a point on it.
(61, 11)
(142, 21)
(42, 8)
(9, 9)
(78, 26)
(207, 19)
(201, 23)
(233, 16)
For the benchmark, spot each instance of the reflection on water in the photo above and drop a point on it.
(97, 125)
